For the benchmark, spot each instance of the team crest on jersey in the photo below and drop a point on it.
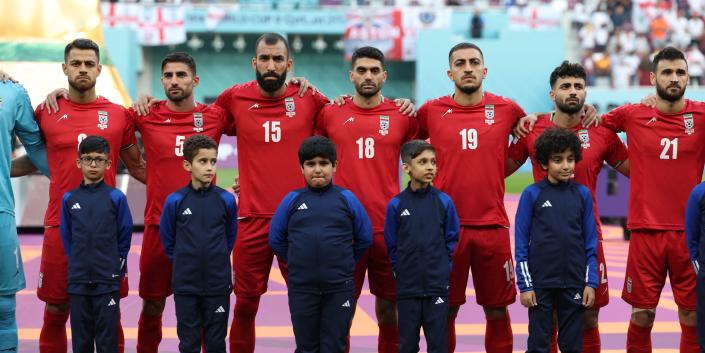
(290, 107)
(102, 119)
(383, 125)
(197, 122)
(489, 114)
(689, 124)
(584, 138)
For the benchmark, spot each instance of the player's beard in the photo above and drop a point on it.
(367, 93)
(665, 95)
(178, 97)
(570, 108)
(271, 85)
(468, 89)
(82, 87)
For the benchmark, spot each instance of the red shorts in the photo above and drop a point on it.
(487, 252)
(252, 257)
(381, 276)
(653, 254)
(155, 267)
(602, 294)
(53, 270)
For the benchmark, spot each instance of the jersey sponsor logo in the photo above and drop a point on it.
(449, 111)
(186, 212)
(383, 125)
(63, 117)
(220, 310)
(688, 124)
(439, 301)
(102, 119)
(346, 304)
(76, 206)
(653, 120)
(290, 107)
(577, 296)
(112, 302)
(350, 120)
(584, 138)
(547, 204)
(167, 121)
(197, 122)
(254, 106)
(489, 114)
(405, 213)
(302, 207)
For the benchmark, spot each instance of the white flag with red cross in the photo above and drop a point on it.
(162, 25)
(120, 14)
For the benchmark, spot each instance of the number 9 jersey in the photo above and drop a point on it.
(64, 131)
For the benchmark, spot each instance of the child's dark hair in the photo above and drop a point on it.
(557, 140)
(92, 144)
(317, 146)
(413, 149)
(195, 143)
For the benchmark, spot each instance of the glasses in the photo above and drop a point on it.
(100, 162)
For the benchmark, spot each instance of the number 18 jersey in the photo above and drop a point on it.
(666, 158)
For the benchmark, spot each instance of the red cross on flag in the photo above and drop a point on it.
(534, 17)
(120, 14)
(162, 25)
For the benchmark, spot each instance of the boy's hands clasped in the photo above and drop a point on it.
(528, 298)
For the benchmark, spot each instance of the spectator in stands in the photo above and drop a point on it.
(477, 24)
(619, 16)
(644, 70)
(602, 26)
(680, 36)
(587, 37)
(659, 31)
(695, 26)
(696, 64)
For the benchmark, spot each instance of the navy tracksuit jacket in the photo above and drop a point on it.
(96, 230)
(421, 231)
(198, 229)
(556, 257)
(694, 237)
(320, 233)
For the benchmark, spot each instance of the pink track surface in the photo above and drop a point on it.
(274, 327)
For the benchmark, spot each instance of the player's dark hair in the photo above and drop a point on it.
(413, 149)
(271, 39)
(667, 53)
(82, 43)
(180, 57)
(94, 144)
(567, 69)
(465, 45)
(195, 143)
(367, 52)
(557, 140)
(317, 146)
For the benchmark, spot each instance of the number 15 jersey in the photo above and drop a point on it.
(666, 157)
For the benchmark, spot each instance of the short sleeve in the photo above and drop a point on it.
(517, 111)
(616, 150)
(422, 116)
(128, 136)
(519, 151)
(322, 122)
(616, 119)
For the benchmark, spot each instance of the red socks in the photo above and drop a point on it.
(591, 340)
(388, 341)
(52, 338)
(553, 343)
(451, 332)
(242, 331)
(149, 333)
(638, 339)
(498, 335)
(689, 339)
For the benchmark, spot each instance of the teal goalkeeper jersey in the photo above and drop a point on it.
(17, 118)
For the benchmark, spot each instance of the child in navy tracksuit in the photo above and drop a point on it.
(198, 227)
(96, 230)
(321, 231)
(694, 235)
(555, 246)
(421, 230)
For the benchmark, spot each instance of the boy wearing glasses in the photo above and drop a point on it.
(96, 230)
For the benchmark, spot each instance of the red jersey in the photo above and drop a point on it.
(600, 145)
(368, 142)
(269, 132)
(64, 131)
(472, 144)
(164, 132)
(666, 158)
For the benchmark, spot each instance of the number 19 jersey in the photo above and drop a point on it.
(63, 131)
(666, 158)
(269, 132)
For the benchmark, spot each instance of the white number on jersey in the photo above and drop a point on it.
(81, 137)
(365, 147)
(272, 131)
(603, 273)
(671, 145)
(179, 150)
(509, 270)
(469, 139)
